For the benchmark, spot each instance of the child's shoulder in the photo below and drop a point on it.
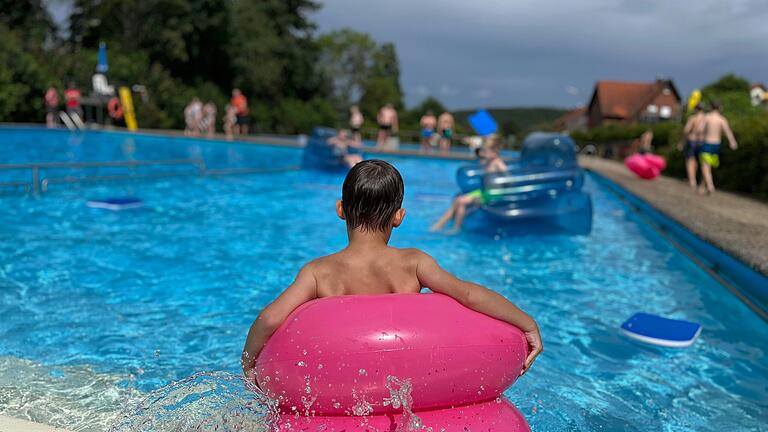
(411, 254)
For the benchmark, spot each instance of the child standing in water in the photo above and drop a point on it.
(371, 202)
(491, 162)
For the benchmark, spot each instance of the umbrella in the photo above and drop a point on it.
(102, 65)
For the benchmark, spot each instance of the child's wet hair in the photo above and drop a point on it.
(371, 195)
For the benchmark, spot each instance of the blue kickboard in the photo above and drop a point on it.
(656, 330)
(116, 203)
(483, 123)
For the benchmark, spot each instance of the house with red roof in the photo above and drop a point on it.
(573, 120)
(627, 102)
(758, 94)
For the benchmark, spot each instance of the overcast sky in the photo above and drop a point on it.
(501, 53)
(471, 53)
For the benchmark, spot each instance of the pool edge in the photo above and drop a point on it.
(746, 283)
(13, 424)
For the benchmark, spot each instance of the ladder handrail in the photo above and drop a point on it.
(36, 184)
(200, 163)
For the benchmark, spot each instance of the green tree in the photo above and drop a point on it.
(185, 36)
(732, 92)
(376, 93)
(346, 59)
(273, 53)
(23, 80)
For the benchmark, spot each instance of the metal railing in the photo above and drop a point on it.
(36, 184)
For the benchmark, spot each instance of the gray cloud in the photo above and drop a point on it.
(530, 52)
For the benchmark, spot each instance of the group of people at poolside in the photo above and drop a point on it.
(72, 104)
(435, 131)
(703, 134)
(200, 119)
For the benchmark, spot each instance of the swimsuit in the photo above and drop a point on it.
(447, 133)
(427, 132)
(385, 127)
(691, 149)
(710, 154)
(479, 193)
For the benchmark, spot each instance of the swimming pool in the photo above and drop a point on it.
(99, 308)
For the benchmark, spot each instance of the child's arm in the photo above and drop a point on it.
(302, 290)
(729, 134)
(480, 299)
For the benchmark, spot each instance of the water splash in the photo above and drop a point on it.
(206, 401)
(400, 396)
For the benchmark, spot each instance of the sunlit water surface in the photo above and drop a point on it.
(110, 318)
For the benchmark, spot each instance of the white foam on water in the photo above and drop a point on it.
(73, 397)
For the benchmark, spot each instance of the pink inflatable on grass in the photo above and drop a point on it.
(647, 166)
(333, 358)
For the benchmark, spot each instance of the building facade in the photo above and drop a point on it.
(626, 102)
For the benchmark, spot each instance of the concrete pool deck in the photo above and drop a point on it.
(11, 424)
(735, 224)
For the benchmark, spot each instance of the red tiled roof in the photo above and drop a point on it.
(623, 99)
(570, 116)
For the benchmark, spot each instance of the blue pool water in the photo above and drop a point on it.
(98, 308)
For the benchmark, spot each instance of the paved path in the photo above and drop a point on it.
(735, 224)
(10, 424)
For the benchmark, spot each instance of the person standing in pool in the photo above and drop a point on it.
(371, 205)
(356, 122)
(694, 135)
(428, 124)
(715, 125)
(491, 162)
(241, 110)
(51, 106)
(388, 124)
(445, 125)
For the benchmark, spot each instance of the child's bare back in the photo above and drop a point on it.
(383, 271)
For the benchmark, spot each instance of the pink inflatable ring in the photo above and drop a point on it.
(382, 357)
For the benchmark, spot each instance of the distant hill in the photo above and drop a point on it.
(517, 121)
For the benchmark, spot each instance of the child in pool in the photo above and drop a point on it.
(371, 202)
(491, 163)
(346, 148)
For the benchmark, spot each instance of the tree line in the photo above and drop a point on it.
(293, 77)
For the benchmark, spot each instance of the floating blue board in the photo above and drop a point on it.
(656, 330)
(483, 123)
(116, 204)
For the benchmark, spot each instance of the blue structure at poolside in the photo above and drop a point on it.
(545, 186)
(319, 155)
(483, 123)
(656, 330)
(116, 204)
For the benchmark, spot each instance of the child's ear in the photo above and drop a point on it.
(398, 218)
(340, 209)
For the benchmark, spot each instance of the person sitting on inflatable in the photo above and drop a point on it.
(371, 201)
(491, 162)
(346, 148)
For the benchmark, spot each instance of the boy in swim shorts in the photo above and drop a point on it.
(371, 201)
(715, 125)
(491, 162)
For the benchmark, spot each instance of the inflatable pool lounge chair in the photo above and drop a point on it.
(319, 155)
(660, 331)
(116, 204)
(545, 185)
